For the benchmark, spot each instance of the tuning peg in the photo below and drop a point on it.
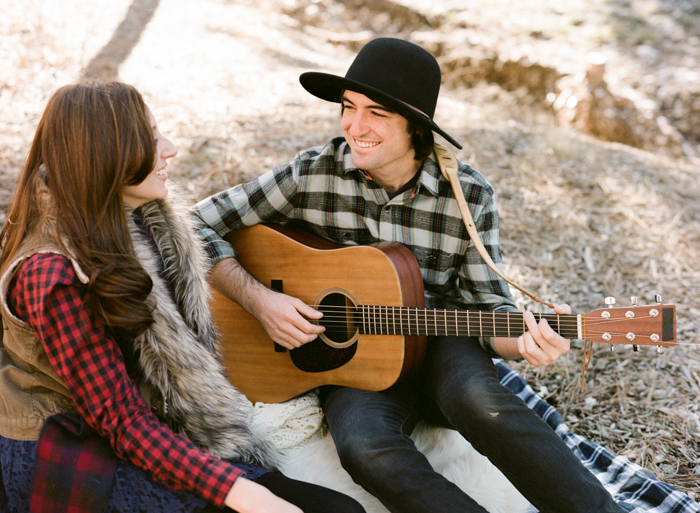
(610, 301)
(657, 298)
(634, 300)
(635, 347)
(659, 349)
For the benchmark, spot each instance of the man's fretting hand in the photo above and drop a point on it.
(541, 345)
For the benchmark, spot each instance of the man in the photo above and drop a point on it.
(382, 182)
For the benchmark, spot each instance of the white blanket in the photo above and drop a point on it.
(298, 429)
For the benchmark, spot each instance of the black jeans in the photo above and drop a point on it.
(458, 388)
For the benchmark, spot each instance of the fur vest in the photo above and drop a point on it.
(178, 354)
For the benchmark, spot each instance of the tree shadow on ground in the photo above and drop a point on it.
(105, 65)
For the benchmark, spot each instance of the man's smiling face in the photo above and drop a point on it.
(378, 137)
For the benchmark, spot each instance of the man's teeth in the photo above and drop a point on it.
(363, 144)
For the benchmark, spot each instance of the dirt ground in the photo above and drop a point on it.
(584, 216)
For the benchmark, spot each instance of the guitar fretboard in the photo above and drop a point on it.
(398, 320)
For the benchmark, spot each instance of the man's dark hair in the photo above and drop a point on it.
(422, 137)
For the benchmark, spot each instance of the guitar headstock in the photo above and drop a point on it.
(653, 325)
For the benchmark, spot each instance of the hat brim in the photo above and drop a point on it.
(329, 87)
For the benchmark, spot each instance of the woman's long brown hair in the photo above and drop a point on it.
(93, 139)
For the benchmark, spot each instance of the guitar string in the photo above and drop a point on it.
(439, 311)
(443, 316)
(448, 316)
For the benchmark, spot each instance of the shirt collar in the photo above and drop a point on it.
(429, 176)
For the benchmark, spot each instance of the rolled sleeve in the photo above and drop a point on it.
(266, 198)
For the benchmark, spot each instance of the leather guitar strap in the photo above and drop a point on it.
(448, 167)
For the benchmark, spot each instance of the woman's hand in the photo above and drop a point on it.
(246, 496)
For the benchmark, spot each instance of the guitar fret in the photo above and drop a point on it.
(444, 314)
(456, 324)
(401, 320)
(481, 326)
(382, 320)
(493, 317)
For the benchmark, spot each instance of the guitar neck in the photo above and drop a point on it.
(396, 320)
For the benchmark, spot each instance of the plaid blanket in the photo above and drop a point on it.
(633, 487)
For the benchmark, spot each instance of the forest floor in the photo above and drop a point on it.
(582, 219)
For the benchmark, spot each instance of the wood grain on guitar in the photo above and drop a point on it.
(373, 302)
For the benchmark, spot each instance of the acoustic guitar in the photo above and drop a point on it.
(373, 305)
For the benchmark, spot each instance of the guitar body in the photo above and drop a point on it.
(316, 270)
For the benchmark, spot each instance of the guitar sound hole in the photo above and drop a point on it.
(338, 319)
(336, 346)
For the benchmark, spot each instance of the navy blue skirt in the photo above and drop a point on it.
(134, 490)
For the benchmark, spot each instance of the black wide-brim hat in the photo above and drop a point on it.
(394, 72)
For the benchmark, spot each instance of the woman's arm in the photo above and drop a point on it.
(49, 297)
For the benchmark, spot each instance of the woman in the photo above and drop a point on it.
(113, 396)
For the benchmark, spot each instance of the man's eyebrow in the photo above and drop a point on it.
(375, 106)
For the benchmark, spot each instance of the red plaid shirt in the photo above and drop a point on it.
(48, 296)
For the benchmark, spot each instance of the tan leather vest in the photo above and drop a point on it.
(30, 389)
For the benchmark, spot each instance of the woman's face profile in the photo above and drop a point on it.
(154, 186)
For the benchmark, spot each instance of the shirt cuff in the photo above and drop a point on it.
(218, 250)
(488, 346)
(218, 488)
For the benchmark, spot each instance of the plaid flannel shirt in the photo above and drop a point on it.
(48, 296)
(325, 193)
